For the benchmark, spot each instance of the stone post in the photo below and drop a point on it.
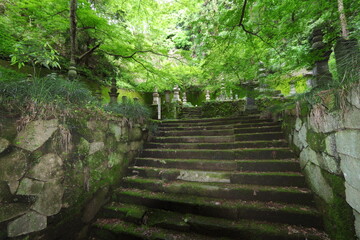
(155, 97)
(322, 54)
(176, 94)
(167, 96)
(113, 92)
(207, 95)
(184, 100)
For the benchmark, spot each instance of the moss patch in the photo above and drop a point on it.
(316, 140)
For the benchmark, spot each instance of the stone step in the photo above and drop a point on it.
(224, 132)
(286, 165)
(206, 120)
(290, 195)
(248, 144)
(194, 139)
(219, 154)
(262, 129)
(208, 226)
(222, 208)
(259, 136)
(115, 229)
(264, 153)
(282, 179)
(220, 126)
(212, 123)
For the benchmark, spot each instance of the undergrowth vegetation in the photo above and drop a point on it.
(133, 111)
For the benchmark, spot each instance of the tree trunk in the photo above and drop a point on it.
(343, 22)
(73, 23)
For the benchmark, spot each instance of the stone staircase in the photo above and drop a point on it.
(232, 178)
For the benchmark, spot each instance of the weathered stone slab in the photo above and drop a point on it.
(4, 144)
(347, 142)
(351, 169)
(354, 96)
(83, 147)
(30, 187)
(13, 186)
(330, 145)
(199, 176)
(135, 134)
(12, 210)
(48, 168)
(115, 159)
(330, 164)
(96, 146)
(116, 130)
(352, 197)
(318, 183)
(136, 145)
(35, 134)
(351, 118)
(309, 155)
(298, 124)
(324, 122)
(13, 166)
(28, 223)
(50, 201)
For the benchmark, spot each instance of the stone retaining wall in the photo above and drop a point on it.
(328, 143)
(54, 172)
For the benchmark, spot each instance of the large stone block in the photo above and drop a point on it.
(354, 96)
(330, 164)
(12, 210)
(116, 130)
(4, 144)
(48, 168)
(318, 183)
(322, 121)
(115, 159)
(13, 166)
(352, 197)
(298, 124)
(309, 155)
(347, 142)
(28, 223)
(330, 145)
(83, 147)
(50, 201)
(30, 187)
(95, 204)
(96, 146)
(351, 169)
(35, 134)
(135, 134)
(351, 118)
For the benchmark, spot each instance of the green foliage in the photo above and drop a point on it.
(133, 111)
(223, 109)
(36, 93)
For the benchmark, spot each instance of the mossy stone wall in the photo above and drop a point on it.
(57, 172)
(327, 141)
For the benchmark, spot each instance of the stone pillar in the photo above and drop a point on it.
(167, 96)
(155, 97)
(207, 95)
(176, 94)
(113, 92)
(184, 100)
(322, 53)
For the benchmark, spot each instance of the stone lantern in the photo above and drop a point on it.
(176, 94)
(184, 98)
(207, 95)
(155, 97)
(113, 92)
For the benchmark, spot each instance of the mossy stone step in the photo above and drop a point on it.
(244, 144)
(206, 120)
(259, 136)
(213, 227)
(115, 229)
(224, 132)
(258, 129)
(228, 209)
(189, 154)
(225, 191)
(285, 179)
(195, 164)
(264, 153)
(220, 126)
(194, 139)
(212, 123)
(262, 165)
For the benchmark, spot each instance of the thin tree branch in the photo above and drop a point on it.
(90, 51)
(141, 51)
